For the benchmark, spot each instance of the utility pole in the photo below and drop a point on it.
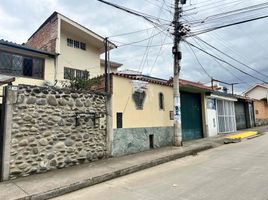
(177, 66)
(107, 74)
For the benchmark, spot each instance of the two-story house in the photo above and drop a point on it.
(78, 49)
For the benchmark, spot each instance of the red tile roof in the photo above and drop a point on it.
(160, 81)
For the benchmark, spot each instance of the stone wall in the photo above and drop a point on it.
(134, 140)
(54, 129)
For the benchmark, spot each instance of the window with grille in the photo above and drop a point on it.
(70, 42)
(19, 65)
(83, 74)
(83, 46)
(70, 73)
(76, 44)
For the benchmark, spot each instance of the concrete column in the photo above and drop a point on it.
(204, 115)
(109, 124)
(10, 98)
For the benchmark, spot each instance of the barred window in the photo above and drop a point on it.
(83, 74)
(70, 42)
(68, 73)
(18, 65)
(83, 46)
(76, 44)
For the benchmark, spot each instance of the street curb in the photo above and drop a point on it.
(118, 173)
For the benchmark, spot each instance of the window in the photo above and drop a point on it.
(119, 120)
(83, 46)
(161, 101)
(27, 67)
(76, 44)
(70, 42)
(18, 65)
(82, 74)
(69, 73)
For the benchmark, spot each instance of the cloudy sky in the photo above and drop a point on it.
(245, 42)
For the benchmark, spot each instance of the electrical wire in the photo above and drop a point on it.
(225, 62)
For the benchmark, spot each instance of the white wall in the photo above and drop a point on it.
(258, 93)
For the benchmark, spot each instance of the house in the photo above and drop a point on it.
(259, 92)
(57, 51)
(142, 112)
(25, 65)
(228, 113)
(78, 49)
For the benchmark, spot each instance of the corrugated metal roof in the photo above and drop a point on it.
(23, 47)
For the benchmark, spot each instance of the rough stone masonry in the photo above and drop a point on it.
(54, 128)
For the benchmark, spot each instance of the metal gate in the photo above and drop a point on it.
(240, 115)
(226, 116)
(191, 116)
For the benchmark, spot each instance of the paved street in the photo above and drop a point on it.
(233, 172)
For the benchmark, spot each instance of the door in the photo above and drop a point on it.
(191, 116)
(240, 115)
(226, 116)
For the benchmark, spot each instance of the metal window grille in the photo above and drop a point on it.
(76, 44)
(69, 73)
(70, 42)
(18, 65)
(82, 45)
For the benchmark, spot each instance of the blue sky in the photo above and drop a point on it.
(247, 42)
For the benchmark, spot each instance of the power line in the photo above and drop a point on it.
(225, 62)
(247, 66)
(210, 77)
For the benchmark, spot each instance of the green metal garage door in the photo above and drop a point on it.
(191, 116)
(240, 115)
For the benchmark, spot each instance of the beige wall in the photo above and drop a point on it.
(151, 115)
(77, 58)
(258, 93)
(261, 109)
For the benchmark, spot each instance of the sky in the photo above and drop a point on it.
(153, 56)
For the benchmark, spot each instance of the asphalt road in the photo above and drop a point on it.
(230, 172)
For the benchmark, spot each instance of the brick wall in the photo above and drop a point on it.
(261, 112)
(261, 109)
(45, 38)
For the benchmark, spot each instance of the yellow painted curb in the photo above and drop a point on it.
(243, 135)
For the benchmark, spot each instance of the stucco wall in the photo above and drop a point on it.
(151, 115)
(134, 140)
(77, 58)
(258, 93)
(53, 129)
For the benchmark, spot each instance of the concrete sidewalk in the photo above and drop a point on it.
(59, 182)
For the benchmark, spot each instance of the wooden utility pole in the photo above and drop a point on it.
(177, 66)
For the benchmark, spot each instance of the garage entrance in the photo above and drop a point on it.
(191, 116)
